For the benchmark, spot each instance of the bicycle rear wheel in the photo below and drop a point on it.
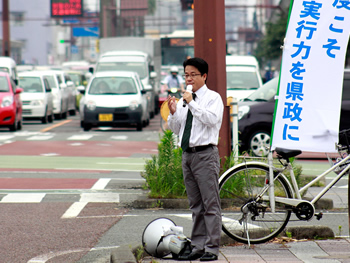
(243, 216)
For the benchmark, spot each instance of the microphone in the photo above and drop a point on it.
(188, 88)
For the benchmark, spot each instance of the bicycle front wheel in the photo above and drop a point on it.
(246, 217)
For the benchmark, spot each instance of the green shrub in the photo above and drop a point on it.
(163, 173)
(164, 177)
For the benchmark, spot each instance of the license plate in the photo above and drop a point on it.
(105, 117)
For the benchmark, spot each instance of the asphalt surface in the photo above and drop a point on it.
(301, 248)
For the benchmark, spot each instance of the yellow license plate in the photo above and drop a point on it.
(105, 117)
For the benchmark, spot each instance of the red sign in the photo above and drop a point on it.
(66, 8)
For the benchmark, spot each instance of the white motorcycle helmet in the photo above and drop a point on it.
(153, 239)
(174, 69)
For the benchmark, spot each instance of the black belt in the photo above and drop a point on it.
(198, 148)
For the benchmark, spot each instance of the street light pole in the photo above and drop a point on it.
(6, 44)
(210, 44)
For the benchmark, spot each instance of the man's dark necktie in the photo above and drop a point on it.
(185, 142)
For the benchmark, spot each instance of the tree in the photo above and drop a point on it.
(269, 47)
(152, 6)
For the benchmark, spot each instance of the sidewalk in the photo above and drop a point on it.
(302, 249)
(316, 251)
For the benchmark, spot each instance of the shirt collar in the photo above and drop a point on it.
(200, 92)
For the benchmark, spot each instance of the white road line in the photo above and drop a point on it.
(46, 257)
(23, 198)
(74, 210)
(121, 163)
(120, 137)
(80, 137)
(6, 137)
(101, 184)
(40, 138)
(343, 186)
(99, 197)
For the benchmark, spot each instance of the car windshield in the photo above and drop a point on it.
(3, 69)
(237, 80)
(112, 85)
(138, 67)
(266, 92)
(30, 84)
(52, 81)
(4, 85)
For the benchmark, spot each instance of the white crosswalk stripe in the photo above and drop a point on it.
(80, 137)
(39, 197)
(40, 138)
(6, 137)
(23, 198)
(44, 136)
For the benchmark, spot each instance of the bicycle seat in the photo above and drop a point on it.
(287, 153)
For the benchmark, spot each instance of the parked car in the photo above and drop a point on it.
(114, 99)
(10, 103)
(59, 92)
(9, 65)
(242, 76)
(79, 79)
(36, 97)
(255, 116)
(68, 84)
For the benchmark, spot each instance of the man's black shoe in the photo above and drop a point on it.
(208, 257)
(192, 256)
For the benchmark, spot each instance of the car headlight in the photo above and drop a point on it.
(7, 101)
(243, 110)
(91, 105)
(37, 102)
(134, 105)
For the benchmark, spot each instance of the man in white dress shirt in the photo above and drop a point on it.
(197, 122)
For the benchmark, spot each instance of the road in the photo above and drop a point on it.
(61, 191)
(60, 187)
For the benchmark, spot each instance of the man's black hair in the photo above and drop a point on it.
(198, 63)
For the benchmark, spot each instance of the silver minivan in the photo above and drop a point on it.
(8, 65)
(36, 97)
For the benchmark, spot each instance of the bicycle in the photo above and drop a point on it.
(260, 208)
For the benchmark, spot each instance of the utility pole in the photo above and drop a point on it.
(6, 44)
(210, 44)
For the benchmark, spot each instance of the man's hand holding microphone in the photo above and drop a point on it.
(187, 97)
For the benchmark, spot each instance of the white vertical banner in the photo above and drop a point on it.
(308, 103)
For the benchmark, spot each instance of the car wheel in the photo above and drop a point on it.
(14, 126)
(139, 126)
(72, 112)
(45, 118)
(19, 125)
(86, 127)
(81, 124)
(50, 118)
(64, 115)
(259, 143)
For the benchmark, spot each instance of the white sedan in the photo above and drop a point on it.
(114, 99)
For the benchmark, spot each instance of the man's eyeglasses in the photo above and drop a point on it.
(186, 76)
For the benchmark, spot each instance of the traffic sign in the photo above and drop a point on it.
(86, 32)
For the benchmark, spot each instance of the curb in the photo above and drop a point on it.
(323, 203)
(126, 253)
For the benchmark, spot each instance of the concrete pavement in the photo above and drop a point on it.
(309, 251)
(303, 248)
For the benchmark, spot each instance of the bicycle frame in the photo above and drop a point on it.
(297, 200)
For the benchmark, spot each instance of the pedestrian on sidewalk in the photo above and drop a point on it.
(197, 119)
